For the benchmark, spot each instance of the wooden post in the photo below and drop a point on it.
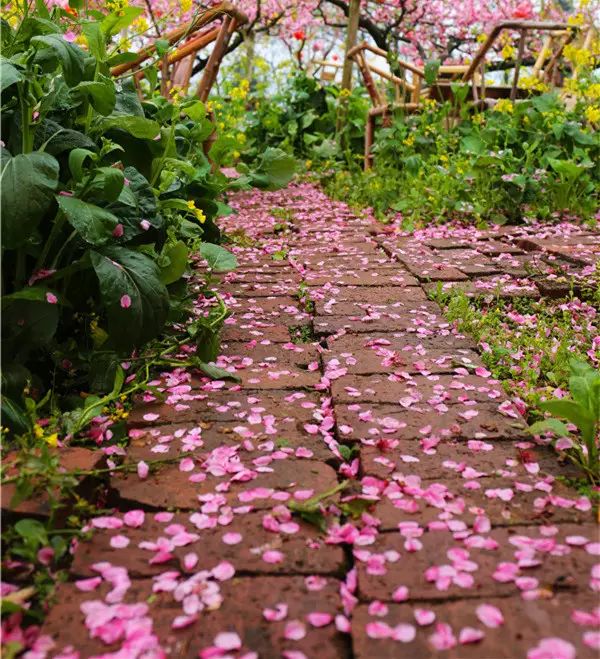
(351, 34)
(212, 66)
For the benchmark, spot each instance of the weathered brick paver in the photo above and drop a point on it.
(365, 489)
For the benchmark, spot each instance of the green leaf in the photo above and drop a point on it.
(567, 409)
(177, 255)
(70, 57)
(556, 426)
(58, 139)
(28, 182)
(431, 71)
(218, 258)
(123, 272)
(8, 74)
(473, 144)
(215, 372)
(32, 531)
(94, 224)
(111, 180)
(162, 47)
(275, 170)
(122, 58)
(77, 159)
(95, 39)
(100, 93)
(139, 127)
(117, 21)
(566, 168)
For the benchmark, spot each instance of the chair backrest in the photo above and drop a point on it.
(558, 35)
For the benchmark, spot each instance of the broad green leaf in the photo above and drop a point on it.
(218, 258)
(178, 261)
(70, 57)
(162, 47)
(9, 74)
(567, 409)
(28, 182)
(32, 531)
(100, 93)
(95, 40)
(77, 159)
(122, 58)
(431, 71)
(119, 20)
(140, 316)
(275, 170)
(473, 144)
(566, 168)
(26, 325)
(556, 426)
(139, 127)
(111, 181)
(13, 415)
(215, 372)
(136, 202)
(94, 224)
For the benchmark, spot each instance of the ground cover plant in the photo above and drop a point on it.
(537, 348)
(373, 398)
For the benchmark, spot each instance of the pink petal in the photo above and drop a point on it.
(134, 518)
(232, 538)
(424, 617)
(272, 556)
(87, 585)
(490, 615)
(470, 635)
(228, 641)
(319, 619)
(119, 542)
(294, 630)
(405, 633)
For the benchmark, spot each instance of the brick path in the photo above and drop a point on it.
(445, 539)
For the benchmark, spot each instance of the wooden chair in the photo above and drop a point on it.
(323, 67)
(409, 94)
(546, 67)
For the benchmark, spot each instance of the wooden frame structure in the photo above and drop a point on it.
(409, 95)
(177, 67)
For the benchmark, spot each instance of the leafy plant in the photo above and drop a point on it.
(583, 411)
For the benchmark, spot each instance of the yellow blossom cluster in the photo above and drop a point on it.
(198, 213)
(505, 106)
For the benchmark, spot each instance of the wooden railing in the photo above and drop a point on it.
(177, 67)
(409, 94)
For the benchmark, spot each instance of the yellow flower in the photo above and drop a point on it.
(236, 154)
(508, 52)
(481, 38)
(191, 204)
(578, 19)
(38, 431)
(308, 164)
(52, 440)
(504, 105)
(200, 216)
(592, 113)
(409, 141)
(593, 91)
(186, 5)
(344, 93)
(241, 138)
